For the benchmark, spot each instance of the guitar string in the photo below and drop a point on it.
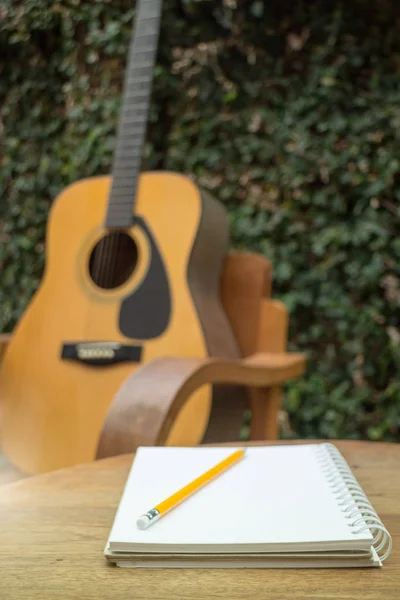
(108, 246)
(100, 252)
(97, 258)
(116, 248)
(109, 250)
(101, 260)
(114, 255)
(114, 280)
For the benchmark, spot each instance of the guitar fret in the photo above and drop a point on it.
(147, 63)
(129, 151)
(132, 149)
(147, 27)
(125, 174)
(130, 125)
(121, 210)
(122, 207)
(136, 81)
(129, 171)
(145, 52)
(139, 105)
(136, 109)
(132, 155)
(139, 70)
(120, 177)
(144, 63)
(132, 133)
(132, 160)
(136, 91)
(121, 202)
(122, 190)
(123, 195)
(128, 190)
(124, 144)
(122, 214)
(132, 87)
(133, 142)
(150, 37)
(145, 12)
(130, 120)
(127, 166)
(135, 94)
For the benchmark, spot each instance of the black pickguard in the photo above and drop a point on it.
(146, 313)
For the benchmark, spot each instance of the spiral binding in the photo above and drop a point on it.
(351, 497)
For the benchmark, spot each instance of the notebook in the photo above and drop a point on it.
(280, 506)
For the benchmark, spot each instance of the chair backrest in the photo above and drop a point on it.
(246, 281)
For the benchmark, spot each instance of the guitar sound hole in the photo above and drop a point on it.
(113, 260)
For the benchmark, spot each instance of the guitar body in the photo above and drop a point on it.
(54, 396)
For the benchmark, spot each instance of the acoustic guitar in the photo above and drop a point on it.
(133, 266)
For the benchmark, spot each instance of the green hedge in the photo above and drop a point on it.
(289, 112)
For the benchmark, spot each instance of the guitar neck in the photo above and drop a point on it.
(133, 120)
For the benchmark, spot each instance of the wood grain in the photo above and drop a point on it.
(145, 410)
(266, 403)
(54, 528)
(246, 282)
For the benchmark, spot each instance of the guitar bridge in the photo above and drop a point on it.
(101, 353)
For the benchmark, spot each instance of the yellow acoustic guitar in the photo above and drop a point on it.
(132, 273)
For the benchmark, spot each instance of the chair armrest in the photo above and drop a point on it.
(143, 411)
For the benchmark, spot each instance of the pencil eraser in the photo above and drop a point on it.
(143, 522)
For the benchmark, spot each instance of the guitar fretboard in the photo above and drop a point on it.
(133, 120)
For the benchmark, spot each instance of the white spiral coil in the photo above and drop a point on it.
(351, 497)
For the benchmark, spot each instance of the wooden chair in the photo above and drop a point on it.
(145, 409)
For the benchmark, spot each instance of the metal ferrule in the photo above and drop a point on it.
(148, 518)
(153, 515)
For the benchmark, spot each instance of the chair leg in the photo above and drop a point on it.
(265, 404)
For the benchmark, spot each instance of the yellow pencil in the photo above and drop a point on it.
(158, 511)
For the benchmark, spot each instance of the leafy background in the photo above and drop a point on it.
(287, 111)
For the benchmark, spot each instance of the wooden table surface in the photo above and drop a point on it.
(54, 528)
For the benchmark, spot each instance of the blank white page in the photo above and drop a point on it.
(274, 497)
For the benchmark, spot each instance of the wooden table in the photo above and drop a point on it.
(54, 528)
